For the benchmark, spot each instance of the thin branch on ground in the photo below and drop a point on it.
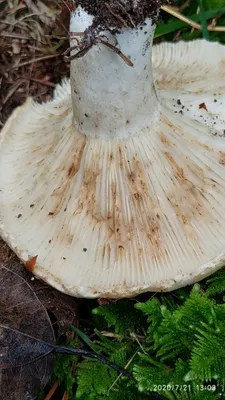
(195, 25)
(43, 17)
(34, 61)
(125, 368)
(52, 391)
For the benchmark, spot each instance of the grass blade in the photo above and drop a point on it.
(84, 337)
(205, 33)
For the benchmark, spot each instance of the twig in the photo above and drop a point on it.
(52, 391)
(46, 83)
(138, 341)
(96, 40)
(15, 9)
(57, 37)
(195, 25)
(117, 51)
(181, 17)
(33, 61)
(12, 91)
(184, 5)
(15, 35)
(76, 34)
(216, 28)
(44, 18)
(67, 6)
(126, 366)
(78, 46)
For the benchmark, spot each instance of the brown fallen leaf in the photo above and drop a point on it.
(27, 348)
(62, 308)
(25, 329)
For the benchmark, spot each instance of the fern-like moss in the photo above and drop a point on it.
(172, 344)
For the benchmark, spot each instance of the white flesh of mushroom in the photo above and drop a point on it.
(137, 202)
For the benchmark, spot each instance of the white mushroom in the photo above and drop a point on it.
(121, 190)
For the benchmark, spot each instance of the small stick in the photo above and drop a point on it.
(52, 391)
(216, 28)
(117, 51)
(76, 33)
(33, 61)
(13, 35)
(126, 366)
(181, 17)
(45, 83)
(71, 49)
(195, 25)
(185, 4)
(57, 37)
(83, 51)
(80, 53)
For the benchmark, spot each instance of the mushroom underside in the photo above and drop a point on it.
(114, 218)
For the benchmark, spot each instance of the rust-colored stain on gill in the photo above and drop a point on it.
(121, 158)
(147, 223)
(63, 191)
(187, 198)
(167, 81)
(71, 171)
(166, 121)
(87, 194)
(63, 115)
(222, 158)
(140, 226)
(178, 170)
(222, 67)
(164, 139)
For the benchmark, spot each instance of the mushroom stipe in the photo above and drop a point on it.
(119, 181)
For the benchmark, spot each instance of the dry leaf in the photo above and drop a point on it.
(24, 327)
(63, 307)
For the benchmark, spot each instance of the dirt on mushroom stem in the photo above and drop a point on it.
(122, 13)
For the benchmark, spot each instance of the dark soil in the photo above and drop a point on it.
(32, 43)
(122, 13)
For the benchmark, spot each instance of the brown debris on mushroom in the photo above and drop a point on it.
(122, 13)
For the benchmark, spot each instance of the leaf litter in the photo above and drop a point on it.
(31, 55)
(62, 308)
(27, 348)
(24, 326)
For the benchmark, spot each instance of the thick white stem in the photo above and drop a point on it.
(111, 99)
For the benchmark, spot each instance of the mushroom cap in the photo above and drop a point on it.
(114, 218)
